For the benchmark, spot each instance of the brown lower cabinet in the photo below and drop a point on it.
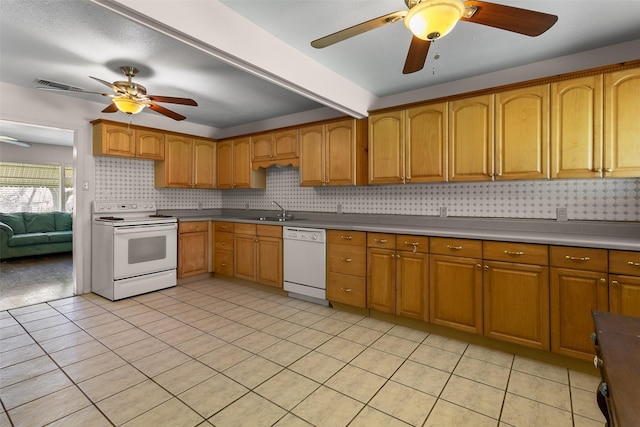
(258, 253)
(624, 282)
(223, 248)
(347, 267)
(193, 242)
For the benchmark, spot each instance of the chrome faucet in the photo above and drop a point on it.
(283, 214)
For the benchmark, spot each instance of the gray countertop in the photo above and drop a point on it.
(593, 234)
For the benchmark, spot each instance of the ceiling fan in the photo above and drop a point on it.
(429, 20)
(128, 97)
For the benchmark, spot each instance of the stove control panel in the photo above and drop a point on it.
(127, 207)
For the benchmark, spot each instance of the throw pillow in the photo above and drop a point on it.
(15, 221)
(63, 221)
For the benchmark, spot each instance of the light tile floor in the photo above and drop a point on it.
(223, 354)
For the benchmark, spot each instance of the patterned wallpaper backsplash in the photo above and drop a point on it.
(585, 199)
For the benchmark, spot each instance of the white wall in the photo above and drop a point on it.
(37, 153)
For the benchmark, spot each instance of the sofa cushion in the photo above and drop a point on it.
(28, 239)
(60, 236)
(15, 221)
(63, 221)
(41, 222)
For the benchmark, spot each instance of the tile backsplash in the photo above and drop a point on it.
(585, 199)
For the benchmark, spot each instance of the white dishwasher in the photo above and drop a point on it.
(305, 255)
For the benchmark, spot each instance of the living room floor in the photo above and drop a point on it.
(224, 354)
(35, 279)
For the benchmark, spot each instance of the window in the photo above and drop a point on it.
(26, 187)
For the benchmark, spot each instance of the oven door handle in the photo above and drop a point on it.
(144, 228)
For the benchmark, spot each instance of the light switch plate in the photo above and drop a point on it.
(561, 214)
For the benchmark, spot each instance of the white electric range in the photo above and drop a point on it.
(133, 249)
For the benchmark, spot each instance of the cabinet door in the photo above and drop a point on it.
(270, 261)
(285, 144)
(412, 285)
(178, 167)
(312, 156)
(262, 146)
(192, 250)
(471, 139)
(386, 145)
(624, 295)
(225, 164)
(244, 257)
(574, 293)
(381, 278)
(516, 303)
(576, 125)
(204, 163)
(242, 163)
(522, 133)
(455, 292)
(340, 160)
(622, 127)
(149, 144)
(117, 141)
(426, 143)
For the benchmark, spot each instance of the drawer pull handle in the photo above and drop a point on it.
(414, 244)
(224, 227)
(345, 259)
(454, 248)
(615, 283)
(514, 253)
(575, 258)
(223, 243)
(346, 289)
(224, 264)
(597, 362)
(380, 240)
(635, 264)
(346, 237)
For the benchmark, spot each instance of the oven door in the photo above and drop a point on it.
(144, 249)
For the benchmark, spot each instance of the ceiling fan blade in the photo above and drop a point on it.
(172, 100)
(358, 29)
(112, 108)
(172, 114)
(111, 85)
(509, 18)
(54, 89)
(417, 55)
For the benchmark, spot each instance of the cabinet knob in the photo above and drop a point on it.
(486, 267)
(346, 289)
(603, 280)
(454, 248)
(608, 170)
(575, 258)
(345, 259)
(479, 266)
(603, 389)
(594, 337)
(597, 362)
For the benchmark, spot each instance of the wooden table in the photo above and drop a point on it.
(617, 341)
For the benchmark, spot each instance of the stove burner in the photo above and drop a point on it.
(111, 218)
(160, 216)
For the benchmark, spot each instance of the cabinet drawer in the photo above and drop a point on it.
(269, 230)
(224, 226)
(624, 262)
(578, 258)
(381, 240)
(457, 247)
(523, 253)
(354, 238)
(223, 241)
(346, 289)
(193, 226)
(223, 263)
(248, 229)
(347, 260)
(405, 242)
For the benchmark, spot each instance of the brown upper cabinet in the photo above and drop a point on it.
(190, 162)
(122, 140)
(234, 165)
(334, 153)
(275, 148)
(408, 146)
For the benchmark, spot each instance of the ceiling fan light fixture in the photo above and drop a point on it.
(433, 19)
(128, 105)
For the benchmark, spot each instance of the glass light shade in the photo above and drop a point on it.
(127, 105)
(433, 19)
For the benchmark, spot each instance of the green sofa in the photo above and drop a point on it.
(35, 233)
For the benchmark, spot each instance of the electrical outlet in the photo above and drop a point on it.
(339, 208)
(561, 214)
(443, 211)
(199, 206)
(246, 206)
